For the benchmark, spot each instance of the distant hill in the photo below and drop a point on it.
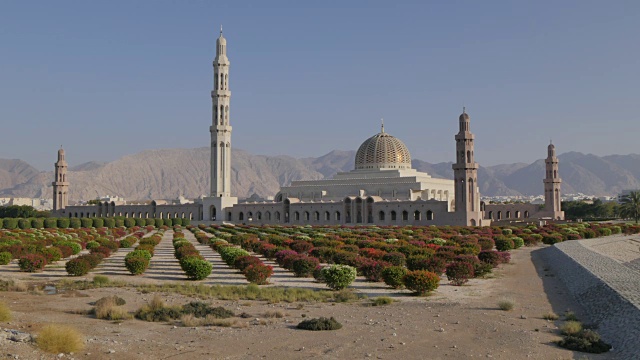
(168, 173)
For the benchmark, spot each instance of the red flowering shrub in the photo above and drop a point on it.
(51, 254)
(65, 250)
(490, 257)
(304, 266)
(459, 272)
(258, 274)
(344, 257)
(372, 253)
(244, 262)
(301, 247)
(282, 255)
(268, 250)
(32, 262)
(505, 257)
(421, 281)
(105, 251)
(395, 258)
(372, 269)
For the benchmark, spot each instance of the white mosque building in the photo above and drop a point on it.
(382, 189)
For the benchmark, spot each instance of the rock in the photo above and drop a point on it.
(18, 336)
(111, 351)
(523, 317)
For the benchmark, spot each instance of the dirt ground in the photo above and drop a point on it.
(453, 323)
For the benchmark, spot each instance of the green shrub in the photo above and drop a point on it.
(196, 269)
(37, 223)
(320, 324)
(110, 223)
(176, 221)
(50, 223)
(506, 305)
(507, 232)
(136, 265)
(5, 258)
(139, 253)
(504, 244)
(518, 242)
(98, 222)
(24, 224)
(10, 224)
(129, 223)
(92, 245)
(101, 280)
(119, 222)
(571, 327)
(382, 300)
(86, 222)
(140, 222)
(63, 223)
(230, 254)
(304, 266)
(586, 341)
(75, 223)
(393, 276)
(52, 254)
(421, 281)
(339, 276)
(168, 222)
(186, 222)
(78, 266)
(481, 269)
(150, 222)
(128, 241)
(200, 309)
(159, 223)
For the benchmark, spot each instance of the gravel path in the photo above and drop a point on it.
(608, 289)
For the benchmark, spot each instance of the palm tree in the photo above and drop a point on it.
(630, 205)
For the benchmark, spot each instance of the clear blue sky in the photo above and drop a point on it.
(111, 78)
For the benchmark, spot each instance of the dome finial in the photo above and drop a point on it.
(464, 109)
(382, 125)
(220, 29)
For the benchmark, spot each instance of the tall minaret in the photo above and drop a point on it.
(60, 185)
(220, 129)
(465, 173)
(552, 181)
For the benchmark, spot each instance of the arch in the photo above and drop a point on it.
(296, 216)
(508, 214)
(226, 114)
(259, 216)
(473, 222)
(381, 215)
(229, 216)
(490, 215)
(416, 215)
(499, 215)
(140, 214)
(405, 215)
(241, 216)
(175, 215)
(249, 216)
(526, 214)
(327, 216)
(277, 216)
(161, 215)
(337, 215)
(468, 156)
(306, 216)
(394, 217)
(517, 213)
(429, 215)
(316, 216)
(126, 214)
(267, 216)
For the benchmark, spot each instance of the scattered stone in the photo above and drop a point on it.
(111, 351)
(523, 317)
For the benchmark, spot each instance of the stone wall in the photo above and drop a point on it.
(607, 290)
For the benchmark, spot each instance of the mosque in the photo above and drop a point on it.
(382, 189)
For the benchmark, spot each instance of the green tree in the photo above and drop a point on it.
(630, 205)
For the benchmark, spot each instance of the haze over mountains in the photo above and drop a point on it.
(169, 173)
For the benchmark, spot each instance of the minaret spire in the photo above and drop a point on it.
(465, 173)
(382, 125)
(220, 29)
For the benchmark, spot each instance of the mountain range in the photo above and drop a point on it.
(169, 173)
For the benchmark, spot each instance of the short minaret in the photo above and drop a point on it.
(220, 128)
(60, 185)
(219, 199)
(552, 181)
(465, 173)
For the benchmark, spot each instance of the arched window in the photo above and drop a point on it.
(327, 216)
(306, 216)
(337, 215)
(241, 216)
(229, 216)
(517, 214)
(491, 215)
(278, 216)
(468, 156)
(381, 215)
(267, 216)
(316, 216)
(393, 215)
(405, 215)
(526, 214)
(416, 215)
(249, 216)
(296, 216)
(429, 215)
(499, 215)
(259, 215)
(508, 214)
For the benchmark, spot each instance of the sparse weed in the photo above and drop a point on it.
(506, 305)
(570, 316)
(550, 316)
(5, 312)
(382, 300)
(571, 327)
(274, 314)
(100, 280)
(57, 339)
